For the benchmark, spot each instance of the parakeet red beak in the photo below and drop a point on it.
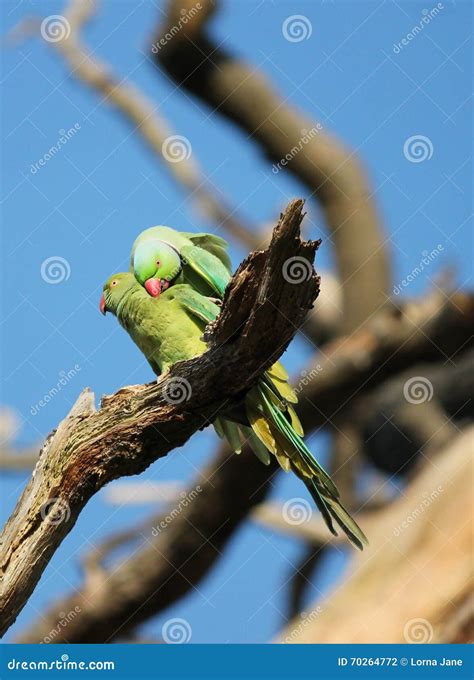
(155, 287)
(102, 306)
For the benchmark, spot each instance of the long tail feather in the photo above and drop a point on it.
(277, 428)
(286, 429)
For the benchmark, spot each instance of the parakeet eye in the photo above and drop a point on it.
(114, 282)
(158, 263)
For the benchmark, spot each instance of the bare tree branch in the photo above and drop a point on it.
(138, 424)
(419, 410)
(433, 329)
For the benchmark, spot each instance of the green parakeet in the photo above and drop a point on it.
(162, 256)
(169, 328)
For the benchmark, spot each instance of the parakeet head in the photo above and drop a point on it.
(155, 265)
(115, 288)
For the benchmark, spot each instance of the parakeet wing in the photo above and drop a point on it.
(215, 245)
(196, 304)
(209, 267)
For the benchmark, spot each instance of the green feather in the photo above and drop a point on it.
(209, 267)
(259, 449)
(213, 244)
(196, 304)
(230, 431)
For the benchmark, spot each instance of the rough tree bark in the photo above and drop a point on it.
(140, 423)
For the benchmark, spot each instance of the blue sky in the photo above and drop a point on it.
(87, 204)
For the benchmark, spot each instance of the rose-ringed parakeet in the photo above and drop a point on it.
(169, 328)
(162, 256)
